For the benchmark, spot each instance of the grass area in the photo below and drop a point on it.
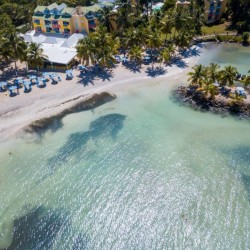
(217, 28)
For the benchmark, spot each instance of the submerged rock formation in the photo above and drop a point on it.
(54, 122)
(190, 96)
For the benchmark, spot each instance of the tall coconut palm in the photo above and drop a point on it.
(132, 37)
(183, 40)
(178, 19)
(246, 81)
(154, 42)
(212, 72)
(35, 56)
(197, 75)
(86, 51)
(135, 54)
(210, 90)
(164, 56)
(16, 45)
(227, 75)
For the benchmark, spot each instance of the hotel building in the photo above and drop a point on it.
(60, 19)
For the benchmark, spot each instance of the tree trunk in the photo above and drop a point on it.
(16, 68)
(27, 66)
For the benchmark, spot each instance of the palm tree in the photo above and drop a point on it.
(86, 50)
(197, 75)
(16, 46)
(135, 54)
(35, 56)
(227, 75)
(154, 42)
(183, 40)
(212, 72)
(210, 89)
(132, 37)
(179, 20)
(164, 56)
(246, 81)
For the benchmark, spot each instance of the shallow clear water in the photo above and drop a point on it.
(141, 172)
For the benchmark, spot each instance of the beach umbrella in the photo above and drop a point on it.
(3, 84)
(81, 67)
(26, 82)
(31, 77)
(124, 59)
(216, 84)
(41, 79)
(13, 87)
(240, 89)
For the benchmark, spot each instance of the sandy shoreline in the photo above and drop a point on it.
(21, 110)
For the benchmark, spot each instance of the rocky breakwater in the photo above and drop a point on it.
(193, 97)
(54, 122)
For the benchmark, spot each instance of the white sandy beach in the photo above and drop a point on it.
(19, 111)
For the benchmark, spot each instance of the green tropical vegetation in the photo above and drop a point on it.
(208, 79)
(139, 29)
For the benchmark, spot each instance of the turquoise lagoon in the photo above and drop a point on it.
(141, 172)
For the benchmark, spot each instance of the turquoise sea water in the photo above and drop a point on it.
(141, 172)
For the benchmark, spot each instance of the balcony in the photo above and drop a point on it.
(65, 24)
(37, 22)
(90, 17)
(47, 23)
(55, 26)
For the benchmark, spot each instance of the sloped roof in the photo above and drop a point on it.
(51, 40)
(68, 10)
(52, 6)
(60, 55)
(62, 6)
(28, 38)
(72, 40)
(39, 8)
(93, 8)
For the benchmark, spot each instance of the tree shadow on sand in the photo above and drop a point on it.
(155, 71)
(192, 52)
(133, 67)
(179, 63)
(88, 77)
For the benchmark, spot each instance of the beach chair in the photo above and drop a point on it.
(59, 79)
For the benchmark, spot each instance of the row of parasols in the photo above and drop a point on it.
(20, 82)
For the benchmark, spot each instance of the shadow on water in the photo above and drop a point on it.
(240, 156)
(81, 242)
(38, 229)
(102, 127)
(53, 123)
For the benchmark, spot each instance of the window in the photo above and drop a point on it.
(54, 22)
(37, 21)
(56, 30)
(65, 23)
(47, 22)
(38, 29)
(66, 31)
